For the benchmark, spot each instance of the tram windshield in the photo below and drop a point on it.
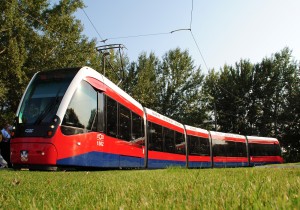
(44, 95)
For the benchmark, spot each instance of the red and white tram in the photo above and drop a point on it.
(78, 118)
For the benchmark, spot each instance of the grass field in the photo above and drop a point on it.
(173, 188)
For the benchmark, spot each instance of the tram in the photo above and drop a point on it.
(77, 118)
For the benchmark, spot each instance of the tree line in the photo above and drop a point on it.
(246, 98)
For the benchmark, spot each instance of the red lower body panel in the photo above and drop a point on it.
(263, 160)
(33, 153)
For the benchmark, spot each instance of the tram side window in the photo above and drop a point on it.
(219, 147)
(137, 127)
(101, 102)
(111, 117)
(204, 146)
(231, 149)
(241, 150)
(81, 114)
(124, 123)
(155, 137)
(199, 146)
(193, 147)
(264, 149)
(236, 149)
(169, 145)
(179, 143)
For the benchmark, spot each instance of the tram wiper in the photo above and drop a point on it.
(47, 109)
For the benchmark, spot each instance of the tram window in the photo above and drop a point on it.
(231, 149)
(101, 102)
(179, 143)
(137, 127)
(124, 123)
(241, 150)
(192, 141)
(81, 112)
(199, 146)
(264, 149)
(155, 137)
(204, 146)
(111, 117)
(219, 147)
(169, 145)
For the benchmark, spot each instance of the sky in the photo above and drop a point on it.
(222, 31)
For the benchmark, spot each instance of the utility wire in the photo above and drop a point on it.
(145, 35)
(195, 41)
(224, 89)
(203, 56)
(199, 50)
(135, 36)
(102, 40)
(192, 14)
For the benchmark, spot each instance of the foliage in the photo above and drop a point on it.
(142, 82)
(180, 85)
(259, 99)
(174, 188)
(171, 87)
(36, 36)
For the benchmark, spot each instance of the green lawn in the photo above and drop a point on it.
(173, 188)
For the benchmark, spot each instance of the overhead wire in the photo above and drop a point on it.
(102, 40)
(192, 14)
(140, 35)
(145, 35)
(195, 41)
(199, 50)
(155, 34)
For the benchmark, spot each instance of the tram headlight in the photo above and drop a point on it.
(50, 131)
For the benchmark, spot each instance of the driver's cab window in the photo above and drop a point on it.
(81, 114)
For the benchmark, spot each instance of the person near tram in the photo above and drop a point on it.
(5, 145)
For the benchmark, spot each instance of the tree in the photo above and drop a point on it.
(180, 82)
(259, 99)
(36, 36)
(286, 98)
(144, 80)
(229, 94)
(13, 56)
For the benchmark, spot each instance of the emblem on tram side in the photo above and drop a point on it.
(24, 155)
